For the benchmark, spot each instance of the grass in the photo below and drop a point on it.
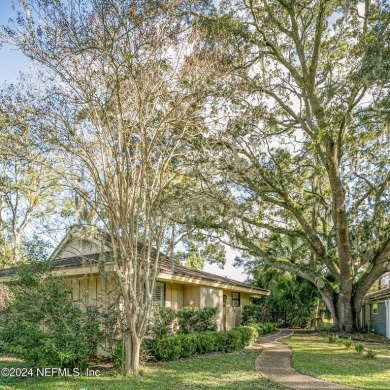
(215, 371)
(314, 355)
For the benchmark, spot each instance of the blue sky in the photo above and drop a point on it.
(12, 61)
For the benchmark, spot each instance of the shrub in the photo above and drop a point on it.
(193, 319)
(249, 334)
(161, 322)
(185, 345)
(221, 338)
(359, 348)
(252, 314)
(348, 343)
(189, 344)
(370, 354)
(340, 341)
(268, 327)
(333, 338)
(167, 348)
(43, 326)
(207, 342)
(234, 340)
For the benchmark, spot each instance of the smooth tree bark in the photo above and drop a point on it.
(117, 116)
(298, 143)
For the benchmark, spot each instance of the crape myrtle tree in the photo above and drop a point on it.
(298, 147)
(118, 112)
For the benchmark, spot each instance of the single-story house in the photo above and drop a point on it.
(84, 261)
(375, 313)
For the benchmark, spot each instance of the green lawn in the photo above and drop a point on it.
(215, 371)
(313, 355)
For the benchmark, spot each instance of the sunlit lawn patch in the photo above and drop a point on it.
(215, 371)
(314, 355)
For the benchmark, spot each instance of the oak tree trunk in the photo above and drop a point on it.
(345, 311)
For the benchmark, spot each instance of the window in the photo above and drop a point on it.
(236, 299)
(375, 308)
(159, 294)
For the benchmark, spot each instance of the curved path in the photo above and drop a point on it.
(275, 363)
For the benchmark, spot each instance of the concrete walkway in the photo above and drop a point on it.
(275, 363)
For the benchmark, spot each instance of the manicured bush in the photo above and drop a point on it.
(234, 340)
(189, 344)
(185, 345)
(167, 348)
(193, 319)
(266, 328)
(221, 341)
(207, 342)
(249, 334)
(359, 348)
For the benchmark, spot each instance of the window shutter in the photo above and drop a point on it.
(158, 294)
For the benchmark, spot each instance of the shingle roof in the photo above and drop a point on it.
(166, 266)
(384, 293)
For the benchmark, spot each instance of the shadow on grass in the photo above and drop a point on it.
(215, 371)
(314, 355)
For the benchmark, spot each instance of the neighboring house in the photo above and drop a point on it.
(375, 314)
(85, 263)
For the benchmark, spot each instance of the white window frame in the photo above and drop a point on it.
(159, 298)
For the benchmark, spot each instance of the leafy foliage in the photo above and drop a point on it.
(298, 142)
(293, 299)
(161, 322)
(359, 348)
(200, 250)
(255, 314)
(43, 326)
(170, 348)
(193, 319)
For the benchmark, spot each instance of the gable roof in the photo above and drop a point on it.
(167, 265)
(384, 293)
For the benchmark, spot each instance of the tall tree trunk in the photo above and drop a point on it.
(345, 311)
(132, 354)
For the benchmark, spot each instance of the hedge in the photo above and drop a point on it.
(185, 345)
(263, 328)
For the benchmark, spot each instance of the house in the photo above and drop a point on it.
(84, 261)
(375, 313)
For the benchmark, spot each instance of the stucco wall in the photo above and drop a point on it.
(174, 295)
(191, 292)
(213, 297)
(234, 314)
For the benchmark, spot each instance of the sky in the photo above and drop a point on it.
(12, 62)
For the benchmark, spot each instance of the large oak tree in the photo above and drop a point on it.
(298, 150)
